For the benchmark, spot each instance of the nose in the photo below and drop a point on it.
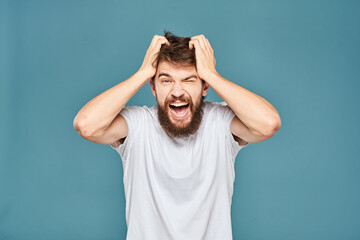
(177, 90)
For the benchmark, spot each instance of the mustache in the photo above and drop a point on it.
(181, 131)
(182, 99)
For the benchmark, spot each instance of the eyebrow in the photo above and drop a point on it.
(167, 75)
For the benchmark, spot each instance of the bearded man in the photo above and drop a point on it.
(178, 156)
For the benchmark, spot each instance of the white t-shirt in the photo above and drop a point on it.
(178, 189)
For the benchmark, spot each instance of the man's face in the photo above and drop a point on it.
(179, 92)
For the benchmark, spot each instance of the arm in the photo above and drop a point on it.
(99, 113)
(258, 115)
(256, 119)
(99, 120)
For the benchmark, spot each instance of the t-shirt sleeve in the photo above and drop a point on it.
(133, 116)
(227, 115)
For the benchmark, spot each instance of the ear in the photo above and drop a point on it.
(152, 88)
(205, 89)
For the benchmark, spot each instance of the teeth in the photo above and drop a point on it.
(178, 104)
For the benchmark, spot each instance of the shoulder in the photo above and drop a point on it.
(135, 111)
(217, 107)
(212, 105)
(139, 116)
(216, 104)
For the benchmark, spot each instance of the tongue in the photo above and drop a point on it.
(180, 110)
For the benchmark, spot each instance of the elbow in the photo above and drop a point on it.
(273, 126)
(76, 125)
(80, 127)
(87, 132)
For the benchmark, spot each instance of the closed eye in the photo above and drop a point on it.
(190, 80)
(167, 80)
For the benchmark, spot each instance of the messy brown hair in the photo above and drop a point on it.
(177, 53)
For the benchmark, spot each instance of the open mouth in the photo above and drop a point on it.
(179, 110)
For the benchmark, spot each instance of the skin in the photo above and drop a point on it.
(177, 86)
(256, 119)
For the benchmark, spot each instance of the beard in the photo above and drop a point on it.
(181, 129)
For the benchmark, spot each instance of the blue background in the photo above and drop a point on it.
(302, 56)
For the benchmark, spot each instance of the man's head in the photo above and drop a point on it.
(177, 87)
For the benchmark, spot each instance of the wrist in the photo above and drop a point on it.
(144, 75)
(211, 76)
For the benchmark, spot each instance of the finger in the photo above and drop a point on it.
(197, 36)
(157, 42)
(209, 46)
(201, 41)
(164, 40)
(191, 44)
(161, 42)
(197, 45)
(153, 41)
(201, 44)
(206, 45)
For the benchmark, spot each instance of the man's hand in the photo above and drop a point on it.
(155, 45)
(205, 60)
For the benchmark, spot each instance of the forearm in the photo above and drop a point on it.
(99, 113)
(253, 110)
